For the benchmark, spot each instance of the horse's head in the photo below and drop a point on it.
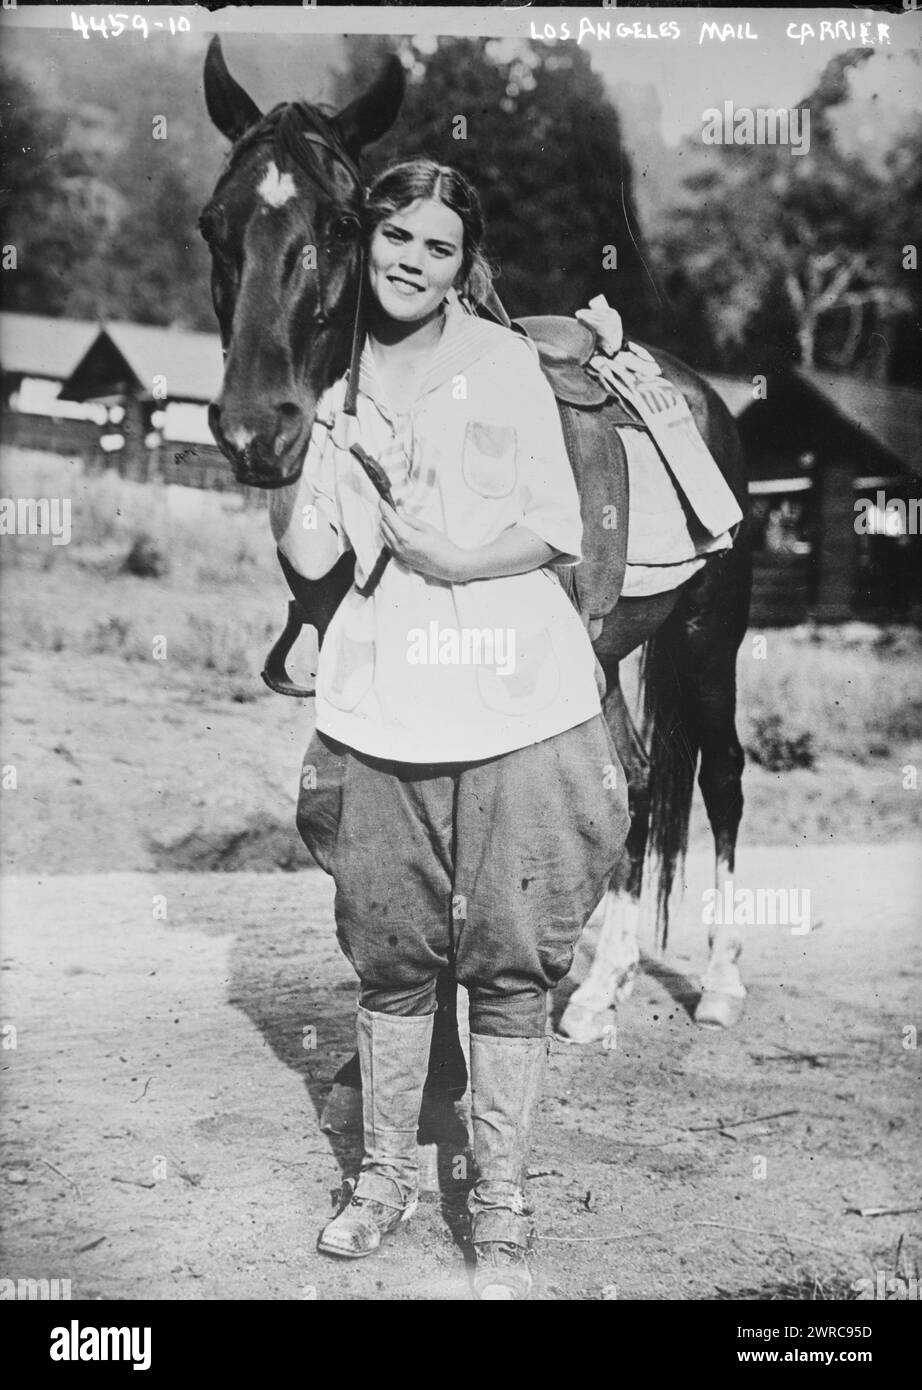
(283, 227)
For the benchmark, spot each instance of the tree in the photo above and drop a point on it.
(533, 130)
(102, 215)
(52, 202)
(790, 252)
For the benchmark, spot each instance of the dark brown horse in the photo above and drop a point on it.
(286, 320)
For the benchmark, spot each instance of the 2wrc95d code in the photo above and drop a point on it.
(795, 1334)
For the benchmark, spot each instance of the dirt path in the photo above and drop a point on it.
(161, 1135)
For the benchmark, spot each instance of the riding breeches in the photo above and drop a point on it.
(492, 866)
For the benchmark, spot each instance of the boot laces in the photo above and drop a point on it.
(379, 1211)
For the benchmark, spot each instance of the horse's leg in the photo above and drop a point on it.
(723, 991)
(590, 1014)
(611, 976)
(720, 780)
(713, 627)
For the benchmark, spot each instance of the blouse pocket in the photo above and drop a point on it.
(488, 459)
(532, 679)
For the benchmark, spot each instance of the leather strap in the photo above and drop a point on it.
(358, 338)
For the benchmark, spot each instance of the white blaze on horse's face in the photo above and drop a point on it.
(276, 189)
(414, 257)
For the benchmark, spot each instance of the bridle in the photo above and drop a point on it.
(274, 672)
(313, 171)
(278, 126)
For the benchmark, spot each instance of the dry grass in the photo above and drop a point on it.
(208, 538)
(853, 690)
(217, 595)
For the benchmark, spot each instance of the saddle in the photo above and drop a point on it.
(565, 347)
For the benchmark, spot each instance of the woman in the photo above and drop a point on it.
(462, 787)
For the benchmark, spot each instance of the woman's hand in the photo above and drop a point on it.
(422, 547)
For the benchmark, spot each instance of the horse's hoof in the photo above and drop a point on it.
(582, 1025)
(717, 1010)
(342, 1113)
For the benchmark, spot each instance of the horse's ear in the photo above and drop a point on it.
(229, 106)
(370, 116)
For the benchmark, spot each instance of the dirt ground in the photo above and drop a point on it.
(162, 1135)
(171, 1019)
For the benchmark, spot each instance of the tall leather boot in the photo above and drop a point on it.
(393, 1055)
(507, 1076)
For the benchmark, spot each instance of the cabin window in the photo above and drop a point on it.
(782, 513)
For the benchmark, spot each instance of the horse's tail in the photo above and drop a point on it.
(673, 749)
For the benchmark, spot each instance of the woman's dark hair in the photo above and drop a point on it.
(396, 187)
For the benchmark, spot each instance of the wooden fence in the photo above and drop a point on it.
(70, 438)
(188, 465)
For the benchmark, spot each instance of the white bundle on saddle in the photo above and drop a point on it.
(665, 542)
(664, 410)
(681, 508)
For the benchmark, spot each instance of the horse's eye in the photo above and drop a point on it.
(344, 228)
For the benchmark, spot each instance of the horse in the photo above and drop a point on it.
(288, 321)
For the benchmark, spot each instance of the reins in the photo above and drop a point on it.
(358, 335)
(274, 672)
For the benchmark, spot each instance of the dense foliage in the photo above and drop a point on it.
(756, 258)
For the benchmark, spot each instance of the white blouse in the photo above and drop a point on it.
(424, 670)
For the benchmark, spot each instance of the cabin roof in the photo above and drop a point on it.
(890, 416)
(39, 346)
(131, 355)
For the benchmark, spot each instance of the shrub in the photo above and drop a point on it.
(772, 748)
(146, 558)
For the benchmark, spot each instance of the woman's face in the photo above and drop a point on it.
(413, 259)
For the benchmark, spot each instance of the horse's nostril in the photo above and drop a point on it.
(290, 418)
(290, 415)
